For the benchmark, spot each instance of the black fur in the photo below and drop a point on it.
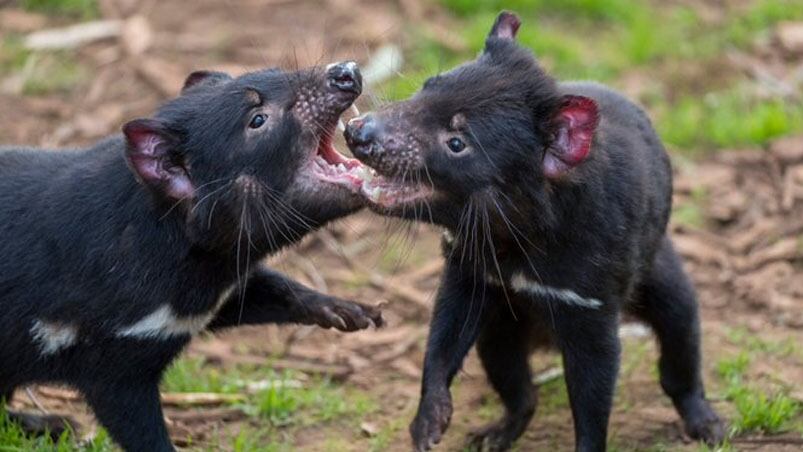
(596, 227)
(88, 249)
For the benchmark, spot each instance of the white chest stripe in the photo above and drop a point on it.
(53, 337)
(521, 284)
(163, 323)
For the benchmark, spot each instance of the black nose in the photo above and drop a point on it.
(360, 135)
(345, 76)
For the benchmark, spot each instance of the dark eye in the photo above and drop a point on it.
(456, 145)
(258, 121)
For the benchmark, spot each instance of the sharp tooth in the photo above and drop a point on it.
(341, 167)
(354, 110)
(340, 126)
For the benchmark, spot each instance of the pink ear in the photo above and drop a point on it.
(204, 77)
(148, 155)
(506, 26)
(576, 123)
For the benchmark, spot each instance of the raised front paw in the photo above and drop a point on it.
(432, 420)
(333, 312)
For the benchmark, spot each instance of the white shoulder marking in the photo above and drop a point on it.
(163, 323)
(53, 336)
(520, 283)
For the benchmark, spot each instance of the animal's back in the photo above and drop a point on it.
(633, 168)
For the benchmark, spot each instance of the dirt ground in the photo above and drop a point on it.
(738, 224)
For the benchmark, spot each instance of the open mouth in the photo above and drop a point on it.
(388, 193)
(329, 165)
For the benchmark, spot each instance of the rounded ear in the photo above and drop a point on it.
(506, 26)
(150, 154)
(574, 126)
(199, 78)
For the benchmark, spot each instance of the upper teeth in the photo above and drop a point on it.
(373, 193)
(365, 173)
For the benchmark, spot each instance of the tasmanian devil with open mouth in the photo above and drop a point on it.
(555, 198)
(114, 256)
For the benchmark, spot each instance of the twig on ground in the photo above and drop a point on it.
(200, 398)
(553, 373)
(32, 397)
(768, 440)
(213, 415)
(337, 372)
(73, 36)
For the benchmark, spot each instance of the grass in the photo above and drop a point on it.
(690, 213)
(287, 403)
(756, 410)
(286, 399)
(761, 412)
(553, 396)
(13, 55)
(382, 440)
(750, 342)
(41, 73)
(727, 118)
(760, 17)
(83, 9)
(14, 439)
(192, 375)
(51, 73)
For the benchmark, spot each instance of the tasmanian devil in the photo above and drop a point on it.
(114, 256)
(555, 197)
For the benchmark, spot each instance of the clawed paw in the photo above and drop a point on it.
(343, 315)
(702, 423)
(710, 430)
(432, 420)
(494, 437)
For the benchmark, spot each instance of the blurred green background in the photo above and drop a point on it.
(681, 60)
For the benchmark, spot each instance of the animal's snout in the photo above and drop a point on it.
(360, 135)
(345, 77)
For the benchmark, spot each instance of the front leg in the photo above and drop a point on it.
(589, 342)
(456, 323)
(271, 297)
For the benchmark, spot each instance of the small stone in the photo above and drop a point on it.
(369, 429)
(790, 36)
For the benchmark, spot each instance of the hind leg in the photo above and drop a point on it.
(503, 348)
(668, 303)
(51, 425)
(132, 413)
